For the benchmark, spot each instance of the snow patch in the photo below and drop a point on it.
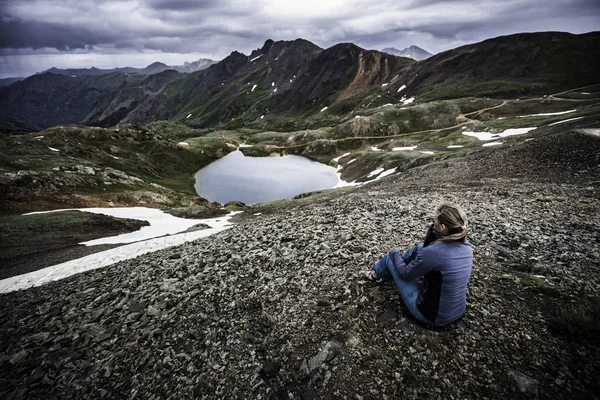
(272, 84)
(401, 88)
(183, 143)
(274, 91)
(426, 152)
(342, 156)
(374, 148)
(53, 149)
(384, 85)
(253, 87)
(546, 114)
(189, 115)
(375, 172)
(406, 148)
(455, 146)
(492, 136)
(565, 120)
(112, 256)
(256, 58)
(385, 173)
(351, 161)
(324, 108)
(492, 144)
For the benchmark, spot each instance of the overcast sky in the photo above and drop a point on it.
(38, 34)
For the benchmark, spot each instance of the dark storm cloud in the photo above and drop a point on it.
(182, 5)
(218, 27)
(19, 34)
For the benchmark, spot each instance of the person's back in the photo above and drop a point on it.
(443, 297)
(444, 260)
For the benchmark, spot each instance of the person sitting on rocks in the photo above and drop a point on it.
(444, 260)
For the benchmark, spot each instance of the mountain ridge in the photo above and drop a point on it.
(152, 68)
(414, 52)
(292, 81)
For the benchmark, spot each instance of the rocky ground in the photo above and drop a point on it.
(274, 308)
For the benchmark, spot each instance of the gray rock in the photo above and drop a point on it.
(389, 315)
(328, 353)
(525, 383)
(323, 302)
(19, 357)
(270, 369)
(153, 311)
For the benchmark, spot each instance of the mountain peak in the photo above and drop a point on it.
(157, 64)
(414, 52)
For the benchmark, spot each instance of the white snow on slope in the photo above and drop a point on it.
(340, 157)
(427, 152)
(109, 257)
(375, 172)
(455, 146)
(492, 136)
(375, 148)
(53, 149)
(161, 223)
(565, 120)
(384, 85)
(401, 88)
(184, 144)
(491, 144)
(407, 148)
(189, 115)
(256, 58)
(253, 87)
(338, 172)
(408, 101)
(546, 114)
(324, 108)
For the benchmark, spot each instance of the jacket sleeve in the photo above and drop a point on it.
(422, 264)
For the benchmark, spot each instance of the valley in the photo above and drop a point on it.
(274, 306)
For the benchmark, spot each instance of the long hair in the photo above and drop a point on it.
(455, 220)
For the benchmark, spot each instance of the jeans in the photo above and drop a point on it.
(409, 290)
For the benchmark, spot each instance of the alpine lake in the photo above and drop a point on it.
(252, 180)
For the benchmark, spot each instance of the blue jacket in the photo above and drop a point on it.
(446, 268)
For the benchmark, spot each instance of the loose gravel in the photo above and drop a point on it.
(275, 308)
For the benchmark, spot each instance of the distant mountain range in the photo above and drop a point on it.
(414, 52)
(153, 68)
(284, 84)
(9, 81)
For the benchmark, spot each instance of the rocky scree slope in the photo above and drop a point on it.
(274, 308)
